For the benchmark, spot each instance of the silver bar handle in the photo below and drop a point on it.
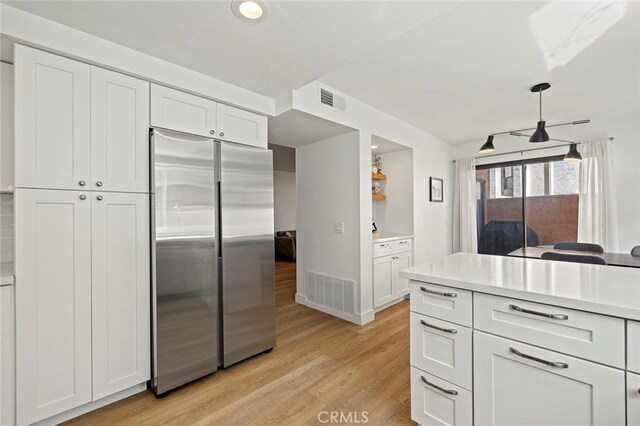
(446, 330)
(540, 314)
(439, 293)
(433, 385)
(540, 360)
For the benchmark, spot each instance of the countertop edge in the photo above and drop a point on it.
(580, 305)
(390, 238)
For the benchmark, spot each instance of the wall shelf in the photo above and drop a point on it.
(378, 176)
(379, 197)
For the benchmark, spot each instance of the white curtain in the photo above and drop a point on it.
(596, 215)
(465, 232)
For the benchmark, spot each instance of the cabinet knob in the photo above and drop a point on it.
(82, 183)
(99, 197)
(99, 183)
(82, 197)
(213, 132)
(221, 134)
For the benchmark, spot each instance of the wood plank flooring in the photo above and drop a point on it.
(320, 363)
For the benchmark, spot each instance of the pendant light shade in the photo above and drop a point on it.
(540, 135)
(573, 156)
(488, 146)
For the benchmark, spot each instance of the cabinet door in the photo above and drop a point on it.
(7, 360)
(53, 302)
(175, 110)
(119, 132)
(633, 399)
(382, 281)
(121, 289)
(506, 383)
(241, 126)
(52, 120)
(435, 402)
(400, 262)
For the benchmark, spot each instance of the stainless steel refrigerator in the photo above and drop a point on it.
(212, 255)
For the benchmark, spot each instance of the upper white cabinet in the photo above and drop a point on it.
(176, 110)
(52, 120)
(79, 127)
(7, 158)
(237, 125)
(120, 283)
(53, 302)
(119, 132)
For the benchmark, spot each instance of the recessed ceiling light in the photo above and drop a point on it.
(250, 10)
(374, 146)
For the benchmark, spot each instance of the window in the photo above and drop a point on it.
(547, 214)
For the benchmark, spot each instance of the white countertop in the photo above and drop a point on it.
(607, 290)
(383, 238)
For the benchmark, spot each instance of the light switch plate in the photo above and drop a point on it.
(338, 227)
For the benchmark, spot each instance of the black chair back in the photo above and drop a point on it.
(635, 251)
(595, 248)
(575, 258)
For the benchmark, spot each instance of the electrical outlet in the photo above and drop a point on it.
(338, 227)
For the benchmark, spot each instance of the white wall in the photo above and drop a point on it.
(284, 197)
(395, 215)
(626, 170)
(327, 178)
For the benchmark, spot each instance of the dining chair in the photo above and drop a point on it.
(635, 251)
(576, 258)
(595, 248)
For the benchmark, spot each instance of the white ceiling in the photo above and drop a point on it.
(459, 70)
(385, 146)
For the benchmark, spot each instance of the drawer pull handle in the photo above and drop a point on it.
(433, 385)
(446, 330)
(540, 360)
(439, 293)
(404, 242)
(540, 314)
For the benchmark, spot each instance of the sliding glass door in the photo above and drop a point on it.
(537, 198)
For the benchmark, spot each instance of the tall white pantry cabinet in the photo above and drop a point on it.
(82, 233)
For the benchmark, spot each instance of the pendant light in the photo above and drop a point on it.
(573, 156)
(488, 146)
(540, 135)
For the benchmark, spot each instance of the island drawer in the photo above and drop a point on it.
(442, 349)
(437, 402)
(590, 336)
(445, 303)
(633, 346)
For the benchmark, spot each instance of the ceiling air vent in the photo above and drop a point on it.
(332, 100)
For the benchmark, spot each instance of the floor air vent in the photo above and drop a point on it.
(336, 293)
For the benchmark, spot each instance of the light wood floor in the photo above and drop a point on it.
(320, 363)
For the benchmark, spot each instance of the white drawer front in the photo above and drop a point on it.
(401, 246)
(446, 303)
(437, 402)
(382, 249)
(633, 399)
(633, 346)
(442, 349)
(590, 336)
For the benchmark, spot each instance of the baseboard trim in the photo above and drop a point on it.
(393, 302)
(359, 319)
(84, 409)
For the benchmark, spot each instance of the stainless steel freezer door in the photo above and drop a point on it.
(184, 270)
(248, 298)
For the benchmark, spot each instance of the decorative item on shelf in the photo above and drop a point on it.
(540, 131)
(376, 168)
(374, 231)
(436, 191)
(375, 187)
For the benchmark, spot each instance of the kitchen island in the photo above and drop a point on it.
(514, 341)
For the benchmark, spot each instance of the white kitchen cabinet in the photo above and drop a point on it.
(52, 120)
(514, 384)
(382, 280)
(120, 299)
(53, 302)
(7, 358)
(633, 399)
(119, 132)
(400, 262)
(389, 259)
(241, 126)
(7, 158)
(176, 110)
(436, 402)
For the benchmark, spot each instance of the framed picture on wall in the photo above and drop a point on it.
(436, 191)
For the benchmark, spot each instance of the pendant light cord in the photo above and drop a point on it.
(541, 105)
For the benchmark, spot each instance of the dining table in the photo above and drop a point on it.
(613, 259)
